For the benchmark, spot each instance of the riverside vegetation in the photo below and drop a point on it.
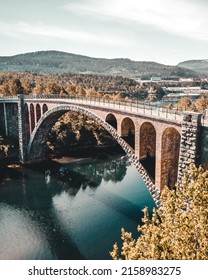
(178, 230)
(75, 134)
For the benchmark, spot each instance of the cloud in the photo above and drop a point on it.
(22, 29)
(179, 17)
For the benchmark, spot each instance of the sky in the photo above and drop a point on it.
(164, 31)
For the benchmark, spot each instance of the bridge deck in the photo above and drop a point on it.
(132, 107)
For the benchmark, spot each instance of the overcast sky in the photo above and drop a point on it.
(165, 31)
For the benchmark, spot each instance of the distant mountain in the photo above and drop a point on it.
(46, 62)
(199, 65)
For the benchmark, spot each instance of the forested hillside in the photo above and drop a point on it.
(200, 66)
(46, 62)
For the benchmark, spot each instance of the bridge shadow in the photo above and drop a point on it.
(130, 139)
(121, 205)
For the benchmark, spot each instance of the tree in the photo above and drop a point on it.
(71, 89)
(74, 129)
(201, 104)
(26, 87)
(53, 88)
(15, 87)
(119, 96)
(91, 92)
(4, 89)
(63, 91)
(179, 229)
(184, 103)
(80, 91)
(39, 89)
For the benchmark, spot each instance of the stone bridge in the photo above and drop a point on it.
(169, 138)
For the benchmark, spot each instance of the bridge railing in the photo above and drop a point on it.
(133, 106)
(9, 97)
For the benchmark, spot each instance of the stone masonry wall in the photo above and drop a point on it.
(12, 120)
(203, 147)
(189, 139)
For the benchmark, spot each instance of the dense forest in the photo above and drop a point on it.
(13, 83)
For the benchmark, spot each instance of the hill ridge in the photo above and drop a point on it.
(198, 65)
(52, 61)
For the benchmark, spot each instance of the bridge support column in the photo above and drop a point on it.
(5, 120)
(137, 138)
(188, 148)
(21, 127)
(158, 166)
(119, 127)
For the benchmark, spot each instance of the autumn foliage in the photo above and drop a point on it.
(74, 129)
(178, 230)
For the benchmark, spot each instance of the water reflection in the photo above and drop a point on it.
(77, 214)
(91, 174)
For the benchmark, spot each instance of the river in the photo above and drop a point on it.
(77, 213)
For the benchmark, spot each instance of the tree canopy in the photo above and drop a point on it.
(74, 129)
(178, 229)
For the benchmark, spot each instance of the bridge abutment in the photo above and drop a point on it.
(189, 139)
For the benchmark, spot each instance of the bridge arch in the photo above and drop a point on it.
(45, 108)
(111, 119)
(39, 135)
(147, 140)
(147, 147)
(14, 109)
(47, 120)
(170, 156)
(27, 123)
(128, 131)
(32, 116)
(38, 112)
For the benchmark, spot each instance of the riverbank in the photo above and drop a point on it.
(84, 154)
(67, 160)
(88, 151)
